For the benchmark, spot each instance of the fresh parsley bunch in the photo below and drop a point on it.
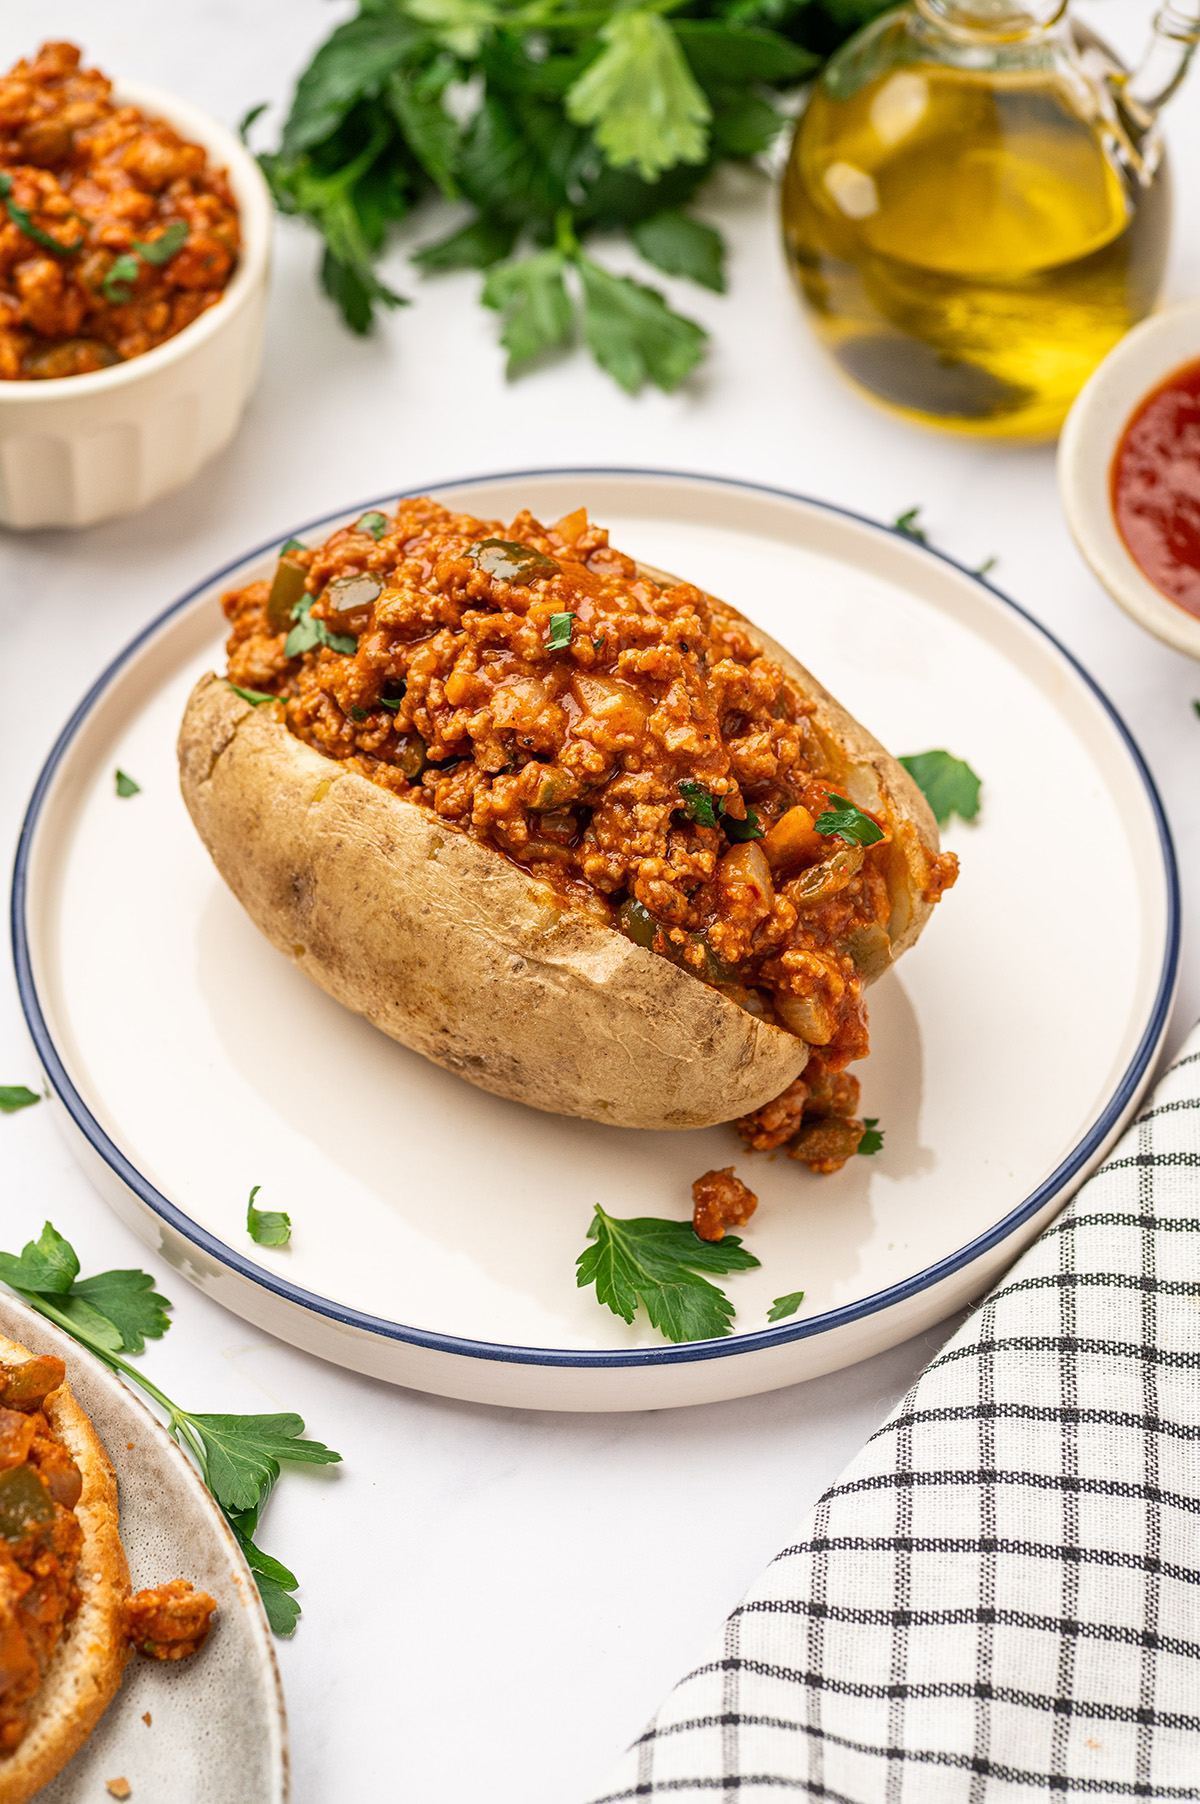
(239, 1456)
(549, 121)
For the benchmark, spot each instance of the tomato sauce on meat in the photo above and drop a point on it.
(40, 1539)
(621, 738)
(1156, 487)
(115, 233)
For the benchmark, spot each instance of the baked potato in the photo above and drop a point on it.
(553, 819)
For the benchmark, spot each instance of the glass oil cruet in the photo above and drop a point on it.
(977, 206)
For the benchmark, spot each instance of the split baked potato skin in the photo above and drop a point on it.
(459, 954)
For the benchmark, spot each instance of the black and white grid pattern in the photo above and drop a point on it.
(999, 1601)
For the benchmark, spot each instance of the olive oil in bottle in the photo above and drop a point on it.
(970, 221)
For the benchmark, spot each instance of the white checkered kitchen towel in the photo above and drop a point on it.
(999, 1601)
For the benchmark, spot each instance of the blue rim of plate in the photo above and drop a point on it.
(757, 1340)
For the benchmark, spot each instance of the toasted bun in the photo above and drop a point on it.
(458, 953)
(85, 1673)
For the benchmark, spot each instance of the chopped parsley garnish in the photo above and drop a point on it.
(739, 831)
(23, 220)
(256, 697)
(697, 803)
(357, 713)
(293, 545)
(559, 636)
(908, 524)
(308, 633)
(16, 1096)
(845, 820)
(872, 1140)
(658, 1264)
(511, 562)
(238, 1457)
(375, 524)
(118, 283)
(783, 1306)
(164, 247)
(1196, 707)
(709, 811)
(267, 1227)
(126, 786)
(988, 564)
(392, 702)
(948, 784)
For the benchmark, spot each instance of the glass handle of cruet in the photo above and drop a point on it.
(1158, 75)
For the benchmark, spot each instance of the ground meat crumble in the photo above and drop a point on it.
(85, 182)
(622, 739)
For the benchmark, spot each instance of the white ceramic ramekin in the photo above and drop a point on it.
(1143, 359)
(87, 448)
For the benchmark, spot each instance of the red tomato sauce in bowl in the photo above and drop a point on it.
(1156, 487)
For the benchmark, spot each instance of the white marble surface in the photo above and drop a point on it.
(543, 1579)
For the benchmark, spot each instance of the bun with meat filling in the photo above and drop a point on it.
(556, 820)
(63, 1576)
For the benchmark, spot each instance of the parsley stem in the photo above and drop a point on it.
(179, 1421)
(565, 239)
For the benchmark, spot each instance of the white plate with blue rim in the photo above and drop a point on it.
(436, 1228)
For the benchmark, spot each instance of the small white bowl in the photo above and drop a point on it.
(85, 448)
(1142, 361)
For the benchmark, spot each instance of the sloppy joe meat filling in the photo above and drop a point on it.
(114, 235)
(619, 738)
(40, 1545)
(40, 1538)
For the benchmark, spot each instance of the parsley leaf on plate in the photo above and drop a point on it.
(872, 1140)
(374, 523)
(784, 1306)
(845, 820)
(16, 1096)
(948, 784)
(126, 786)
(907, 523)
(682, 246)
(267, 1227)
(658, 1264)
(644, 105)
(633, 334)
(559, 636)
(531, 294)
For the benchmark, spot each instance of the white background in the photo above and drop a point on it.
(494, 1601)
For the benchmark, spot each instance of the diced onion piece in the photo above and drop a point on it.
(807, 1018)
(744, 877)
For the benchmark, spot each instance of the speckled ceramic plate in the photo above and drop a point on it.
(216, 1732)
(435, 1227)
